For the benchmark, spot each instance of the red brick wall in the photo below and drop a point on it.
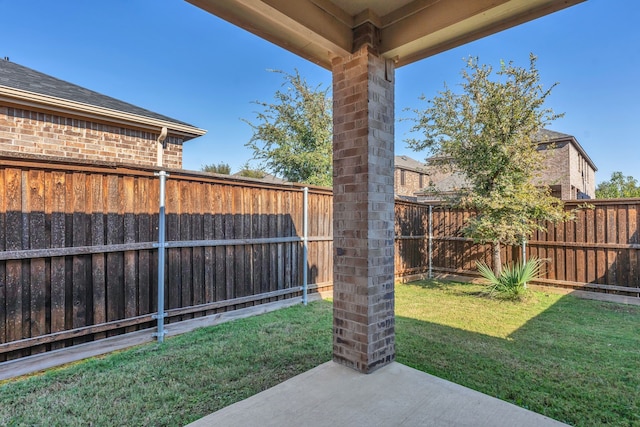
(33, 132)
(564, 166)
(411, 182)
(582, 176)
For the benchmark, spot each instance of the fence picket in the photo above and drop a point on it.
(37, 240)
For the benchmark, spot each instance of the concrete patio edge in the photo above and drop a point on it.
(395, 395)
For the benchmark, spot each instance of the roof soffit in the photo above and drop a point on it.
(410, 30)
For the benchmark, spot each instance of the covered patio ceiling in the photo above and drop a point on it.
(408, 30)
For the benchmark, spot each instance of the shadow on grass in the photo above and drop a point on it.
(575, 360)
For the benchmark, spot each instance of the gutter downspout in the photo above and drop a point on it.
(161, 145)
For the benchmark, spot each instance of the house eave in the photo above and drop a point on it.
(63, 106)
(576, 144)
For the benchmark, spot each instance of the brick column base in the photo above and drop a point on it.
(363, 218)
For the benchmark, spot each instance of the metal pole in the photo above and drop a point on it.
(305, 241)
(430, 242)
(161, 252)
(524, 255)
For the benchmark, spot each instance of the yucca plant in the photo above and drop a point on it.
(512, 281)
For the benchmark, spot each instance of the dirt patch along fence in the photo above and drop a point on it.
(78, 249)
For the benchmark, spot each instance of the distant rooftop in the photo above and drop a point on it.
(551, 135)
(406, 162)
(272, 179)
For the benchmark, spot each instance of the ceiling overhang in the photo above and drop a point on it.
(409, 30)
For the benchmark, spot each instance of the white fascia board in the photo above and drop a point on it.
(59, 105)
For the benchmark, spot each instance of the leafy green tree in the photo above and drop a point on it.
(293, 135)
(221, 168)
(487, 132)
(618, 187)
(249, 172)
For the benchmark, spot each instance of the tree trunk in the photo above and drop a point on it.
(497, 260)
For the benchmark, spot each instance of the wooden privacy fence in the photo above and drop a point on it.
(78, 249)
(599, 251)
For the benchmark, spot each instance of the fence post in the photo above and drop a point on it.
(161, 252)
(430, 242)
(524, 254)
(305, 241)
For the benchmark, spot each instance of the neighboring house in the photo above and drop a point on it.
(40, 114)
(568, 171)
(410, 177)
(442, 185)
(416, 181)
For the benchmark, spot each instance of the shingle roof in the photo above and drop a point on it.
(406, 162)
(19, 77)
(544, 135)
(266, 178)
(451, 183)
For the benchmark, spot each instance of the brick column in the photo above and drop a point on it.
(363, 210)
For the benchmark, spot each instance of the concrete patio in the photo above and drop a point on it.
(395, 395)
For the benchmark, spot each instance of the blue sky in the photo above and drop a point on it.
(173, 58)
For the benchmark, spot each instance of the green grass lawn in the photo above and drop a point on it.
(574, 360)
